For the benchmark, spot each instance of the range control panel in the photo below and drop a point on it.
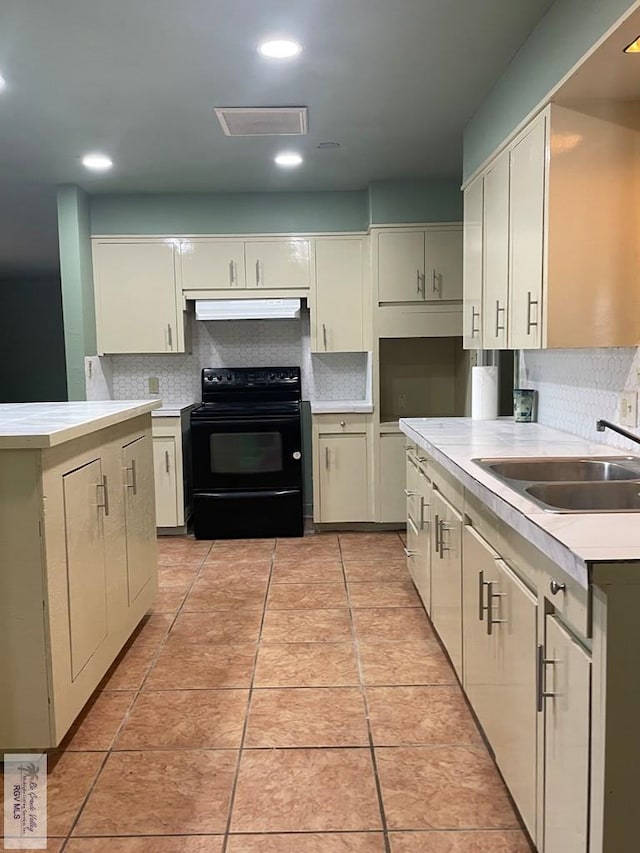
(249, 377)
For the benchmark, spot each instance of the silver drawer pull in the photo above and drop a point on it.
(556, 587)
(166, 461)
(409, 494)
(408, 553)
(413, 525)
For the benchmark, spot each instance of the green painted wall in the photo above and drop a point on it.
(229, 213)
(31, 332)
(415, 201)
(77, 285)
(561, 38)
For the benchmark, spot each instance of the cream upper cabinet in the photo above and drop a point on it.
(279, 263)
(573, 274)
(420, 265)
(526, 237)
(565, 679)
(339, 295)
(137, 305)
(472, 264)
(212, 264)
(401, 266)
(496, 254)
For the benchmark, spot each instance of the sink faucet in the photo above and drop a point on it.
(601, 425)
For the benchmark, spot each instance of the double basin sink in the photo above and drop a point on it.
(573, 484)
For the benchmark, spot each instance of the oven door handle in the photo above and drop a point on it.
(228, 494)
(273, 420)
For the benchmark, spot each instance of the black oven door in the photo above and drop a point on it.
(247, 452)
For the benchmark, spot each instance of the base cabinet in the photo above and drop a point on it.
(341, 469)
(172, 471)
(78, 556)
(566, 684)
(446, 575)
(418, 548)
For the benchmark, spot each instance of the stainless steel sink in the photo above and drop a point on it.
(587, 497)
(573, 484)
(563, 470)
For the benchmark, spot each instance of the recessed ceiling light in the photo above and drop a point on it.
(3, 82)
(288, 159)
(634, 47)
(279, 49)
(97, 162)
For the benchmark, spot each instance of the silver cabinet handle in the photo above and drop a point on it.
(490, 596)
(324, 335)
(556, 587)
(232, 274)
(436, 522)
(413, 525)
(499, 310)
(105, 494)
(475, 331)
(541, 685)
(434, 281)
(409, 494)
(326, 458)
(169, 336)
(530, 302)
(258, 273)
(133, 485)
(422, 518)
(166, 461)
(409, 553)
(342, 423)
(482, 607)
(418, 288)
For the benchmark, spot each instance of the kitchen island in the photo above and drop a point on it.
(77, 556)
(538, 611)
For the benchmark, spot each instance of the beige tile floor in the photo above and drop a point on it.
(283, 695)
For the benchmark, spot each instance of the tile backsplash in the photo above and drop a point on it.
(576, 387)
(241, 343)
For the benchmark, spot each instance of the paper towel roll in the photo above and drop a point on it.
(484, 393)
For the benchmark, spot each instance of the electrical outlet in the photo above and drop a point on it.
(628, 406)
(154, 385)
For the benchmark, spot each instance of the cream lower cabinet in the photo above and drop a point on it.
(565, 689)
(418, 549)
(171, 465)
(340, 298)
(78, 556)
(391, 477)
(139, 305)
(446, 575)
(341, 475)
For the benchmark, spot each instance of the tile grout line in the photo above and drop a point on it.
(236, 776)
(136, 692)
(376, 778)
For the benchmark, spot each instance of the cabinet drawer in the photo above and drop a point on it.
(443, 481)
(340, 423)
(572, 601)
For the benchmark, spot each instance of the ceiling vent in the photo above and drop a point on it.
(263, 121)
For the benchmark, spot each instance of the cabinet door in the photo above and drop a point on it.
(344, 484)
(446, 576)
(136, 308)
(401, 266)
(164, 468)
(339, 297)
(496, 253)
(278, 264)
(392, 478)
(208, 265)
(480, 682)
(472, 265)
(137, 464)
(85, 501)
(422, 577)
(566, 751)
(512, 609)
(443, 265)
(526, 230)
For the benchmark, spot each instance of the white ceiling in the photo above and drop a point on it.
(393, 81)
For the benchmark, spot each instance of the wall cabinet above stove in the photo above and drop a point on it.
(218, 264)
(139, 306)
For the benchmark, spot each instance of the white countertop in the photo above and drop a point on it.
(321, 407)
(171, 410)
(570, 540)
(33, 425)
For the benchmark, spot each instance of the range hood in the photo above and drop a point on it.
(247, 309)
